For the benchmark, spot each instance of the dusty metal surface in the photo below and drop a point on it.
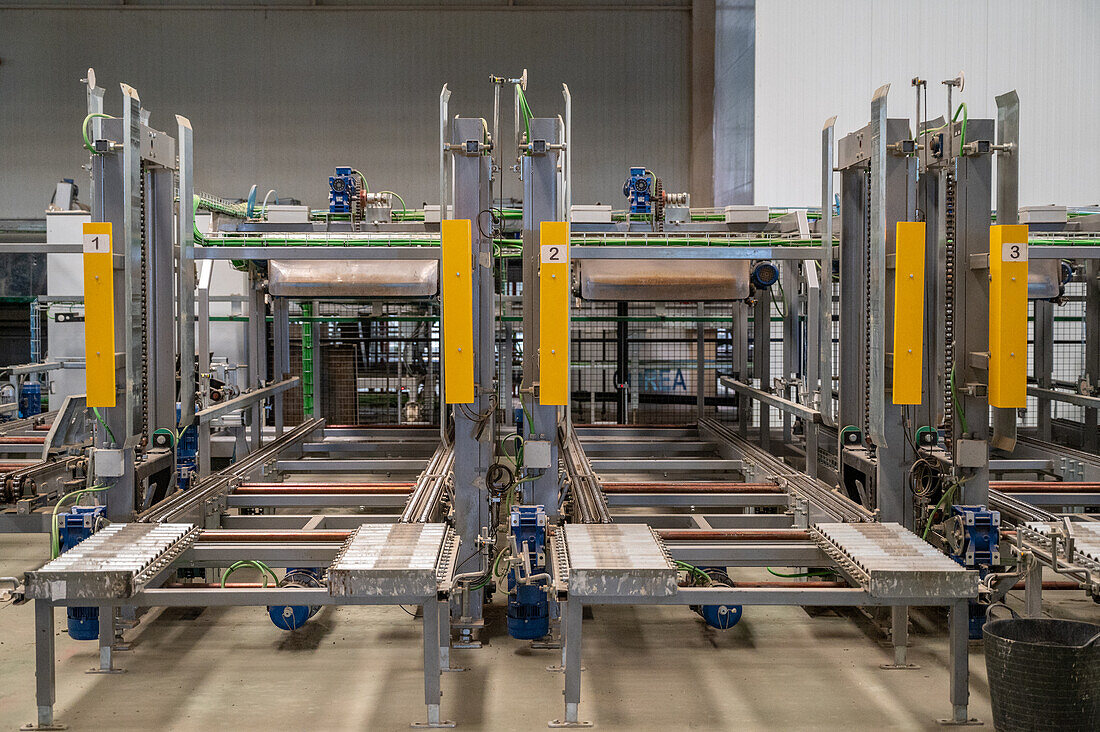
(391, 560)
(662, 279)
(616, 560)
(354, 278)
(111, 563)
(888, 560)
(1085, 539)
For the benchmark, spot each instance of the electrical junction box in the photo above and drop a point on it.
(590, 214)
(286, 214)
(108, 463)
(431, 213)
(971, 453)
(1043, 215)
(746, 214)
(536, 454)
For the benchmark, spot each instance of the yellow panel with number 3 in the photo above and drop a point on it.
(908, 312)
(457, 292)
(99, 315)
(554, 313)
(1008, 316)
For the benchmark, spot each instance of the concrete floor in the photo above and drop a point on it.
(359, 668)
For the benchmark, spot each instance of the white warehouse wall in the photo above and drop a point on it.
(817, 59)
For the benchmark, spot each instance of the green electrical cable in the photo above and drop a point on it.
(692, 569)
(100, 419)
(362, 178)
(962, 133)
(399, 198)
(84, 130)
(525, 110)
(799, 574)
(55, 542)
(255, 564)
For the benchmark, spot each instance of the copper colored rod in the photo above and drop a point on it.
(43, 427)
(324, 489)
(303, 535)
(688, 488)
(23, 440)
(391, 484)
(1051, 585)
(734, 534)
(1044, 486)
(10, 467)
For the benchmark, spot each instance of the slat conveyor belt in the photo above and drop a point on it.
(393, 560)
(614, 560)
(889, 561)
(111, 563)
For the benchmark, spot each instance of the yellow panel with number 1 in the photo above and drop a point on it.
(1008, 316)
(554, 313)
(99, 315)
(908, 312)
(457, 291)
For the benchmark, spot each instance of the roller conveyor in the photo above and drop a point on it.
(394, 560)
(1086, 540)
(112, 563)
(614, 560)
(888, 560)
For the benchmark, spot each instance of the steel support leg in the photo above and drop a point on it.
(432, 671)
(44, 669)
(1033, 591)
(959, 663)
(899, 637)
(106, 642)
(572, 616)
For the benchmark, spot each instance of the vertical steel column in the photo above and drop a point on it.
(814, 330)
(700, 362)
(45, 671)
(622, 362)
(540, 203)
(257, 353)
(762, 358)
(159, 321)
(280, 326)
(185, 219)
(1033, 590)
(973, 201)
(1091, 437)
(740, 364)
(959, 660)
(1008, 185)
(433, 692)
(473, 446)
(853, 317)
(206, 272)
(1043, 362)
(825, 309)
(573, 615)
(788, 274)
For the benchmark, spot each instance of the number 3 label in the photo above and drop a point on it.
(1014, 252)
(553, 253)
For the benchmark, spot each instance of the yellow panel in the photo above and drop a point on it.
(908, 312)
(99, 315)
(457, 288)
(1008, 316)
(554, 313)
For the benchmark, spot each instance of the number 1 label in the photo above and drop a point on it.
(97, 243)
(1014, 252)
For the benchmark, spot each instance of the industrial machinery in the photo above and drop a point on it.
(569, 404)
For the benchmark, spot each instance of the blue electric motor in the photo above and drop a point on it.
(343, 190)
(187, 454)
(721, 617)
(974, 537)
(30, 399)
(74, 527)
(292, 617)
(639, 189)
(528, 605)
(764, 275)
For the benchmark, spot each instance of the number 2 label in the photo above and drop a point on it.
(554, 253)
(1014, 252)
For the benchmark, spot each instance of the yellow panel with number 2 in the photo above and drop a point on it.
(99, 314)
(554, 313)
(457, 292)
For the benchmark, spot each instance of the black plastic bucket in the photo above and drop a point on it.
(1044, 674)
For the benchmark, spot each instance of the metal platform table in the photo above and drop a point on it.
(395, 560)
(614, 560)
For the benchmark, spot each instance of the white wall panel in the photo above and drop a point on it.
(281, 97)
(817, 59)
